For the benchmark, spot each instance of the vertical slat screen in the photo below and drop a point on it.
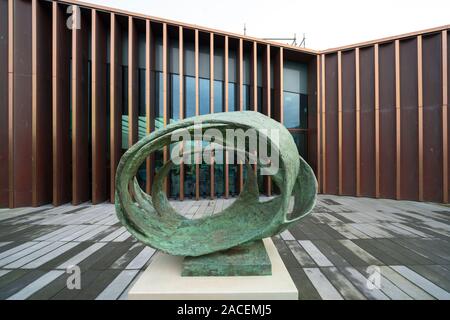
(115, 99)
(348, 125)
(20, 102)
(61, 147)
(4, 116)
(132, 83)
(99, 112)
(81, 181)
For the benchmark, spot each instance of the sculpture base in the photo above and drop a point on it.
(246, 260)
(162, 280)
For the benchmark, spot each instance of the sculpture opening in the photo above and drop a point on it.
(153, 221)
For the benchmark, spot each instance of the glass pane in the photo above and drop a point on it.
(304, 111)
(301, 141)
(291, 110)
(219, 174)
(246, 97)
(174, 97)
(159, 102)
(231, 96)
(218, 96)
(204, 96)
(189, 92)
(124, 107)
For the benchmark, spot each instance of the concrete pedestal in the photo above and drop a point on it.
(162, 280)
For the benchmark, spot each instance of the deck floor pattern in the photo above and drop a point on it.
(330, 255)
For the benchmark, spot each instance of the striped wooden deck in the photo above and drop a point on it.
(327, 255)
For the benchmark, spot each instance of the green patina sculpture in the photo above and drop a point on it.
(153, 221)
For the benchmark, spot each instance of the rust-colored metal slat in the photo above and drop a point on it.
(41, 103)
(148, 90)
(98, 109)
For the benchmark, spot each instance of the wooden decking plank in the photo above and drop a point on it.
(319, 258)
(118, 285)
(322, 284)
(347, 290)
(300, 254)
(306, 290)
(422, 282)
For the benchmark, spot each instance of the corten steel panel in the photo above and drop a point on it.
(61, 141)
(331, 124)
(397, 121)
(42, 103)
(348, 123)
(81, 183)
(312, 115)
(99, 107)
(420, 114)
(367, 118)
(132, 82)
(22, 103)
(387, 120)
(377, 119)
(319, 123)
(276, 112)
(409, 115)
(254, 70)
(4, 156)
(340, 121)
(115, 100)
(432, 118)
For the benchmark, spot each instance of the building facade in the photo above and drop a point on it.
(81, 83)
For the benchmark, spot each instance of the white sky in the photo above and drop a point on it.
(326, 23)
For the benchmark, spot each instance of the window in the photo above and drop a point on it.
(218, 96)
(291, 110)
(189, 98)
(204, 96)
(231, 96)
(174, 97)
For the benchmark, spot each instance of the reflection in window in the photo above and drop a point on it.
(246, 98)
(231, 96)
(124, 108)
(189, 96)
(218, 96)
(204, 96)
(174, 88)
(260, 100)
(159, 101)
(142, 124)
(291, 110)
(174, 97)
(300, 139)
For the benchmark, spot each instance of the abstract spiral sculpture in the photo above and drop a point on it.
(153, 221)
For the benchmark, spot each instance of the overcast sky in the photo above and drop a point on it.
(326, 23)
